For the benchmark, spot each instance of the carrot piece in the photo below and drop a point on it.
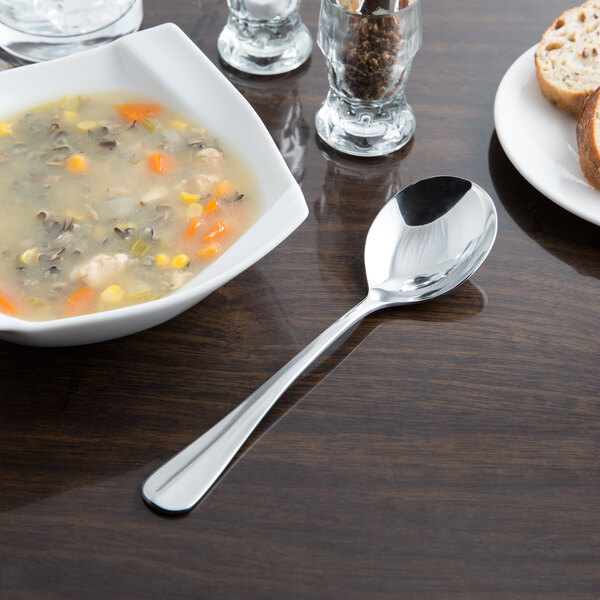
(6, 306)
(192, 227)
(217, 229)
(81, 301)
(77, 163)
(208, 250)
(211, 205)
(160, 163)
(135, 112)
(224, 188)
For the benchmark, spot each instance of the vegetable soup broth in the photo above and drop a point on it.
(107, 200)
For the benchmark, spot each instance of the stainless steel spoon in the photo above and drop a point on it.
(428, 239)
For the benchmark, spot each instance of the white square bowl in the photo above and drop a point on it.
(161, 63)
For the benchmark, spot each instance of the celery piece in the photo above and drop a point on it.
(140, 295)
(149, 123)
(139, 248)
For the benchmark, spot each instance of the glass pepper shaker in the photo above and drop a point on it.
(369, 46)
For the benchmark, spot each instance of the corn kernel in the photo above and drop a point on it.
(161, 260)
(69, 115)
(209, 250)
(180, 261)
(78, 218)
(87, 125)
(189, 198)
(6, 129)
(181, 125)
(29, 257)
(112, 294)
(77, 163)
(195, 210)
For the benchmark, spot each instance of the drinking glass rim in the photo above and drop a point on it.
(38, 36)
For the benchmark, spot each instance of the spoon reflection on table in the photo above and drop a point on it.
(428, 239)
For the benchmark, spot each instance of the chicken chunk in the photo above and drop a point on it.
(178, 278)
(102, 269)
(210, 156)
(206, 184)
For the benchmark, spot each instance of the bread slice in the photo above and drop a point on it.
(588, 139)
(567, 59)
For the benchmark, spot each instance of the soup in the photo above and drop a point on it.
(109, 200)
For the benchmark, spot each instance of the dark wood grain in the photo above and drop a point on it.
(447, 450)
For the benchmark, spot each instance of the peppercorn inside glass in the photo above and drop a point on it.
(369, 46)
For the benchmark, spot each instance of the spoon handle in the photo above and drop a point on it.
(182, 481)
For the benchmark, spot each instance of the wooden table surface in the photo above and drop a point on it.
(447, 450)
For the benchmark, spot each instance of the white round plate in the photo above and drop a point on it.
(540, 141)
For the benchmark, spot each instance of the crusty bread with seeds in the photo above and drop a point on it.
(588, 139)
(567, 59)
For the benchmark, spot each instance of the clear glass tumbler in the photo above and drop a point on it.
(264, 37)
(36, 30)
(369, 46)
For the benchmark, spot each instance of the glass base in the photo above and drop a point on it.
(365, 129)
(38, 47)
(265, 47)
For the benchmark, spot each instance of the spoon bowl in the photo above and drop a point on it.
(428, 239)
